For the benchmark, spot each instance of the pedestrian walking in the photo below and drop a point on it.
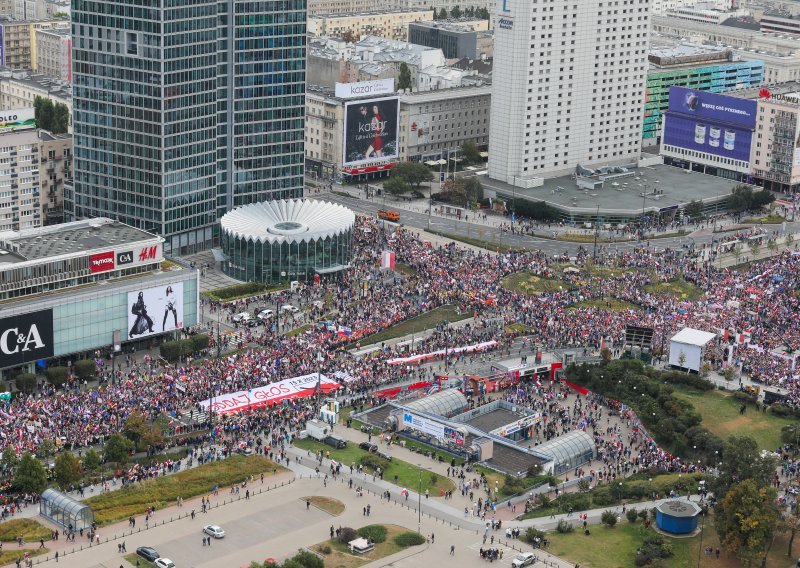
(452, 550)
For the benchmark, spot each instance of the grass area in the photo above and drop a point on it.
(401, 473)
(428, 320)
(241, 291)
(299, 330)
(162, 492)
(616, 547)
(677, 288)
(327, 504)
(405, 269)
(488, 245)
(10, 556)
(765, 220)
(516, 329)
(29, 529)
(605, 303)
(720, 412)
(532, 285)
(132, 558)
(160, 458)
(340, 556)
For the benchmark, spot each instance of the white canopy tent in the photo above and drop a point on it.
(687, 348)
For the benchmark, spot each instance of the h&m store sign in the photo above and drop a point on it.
(127, 258)
(26, 338)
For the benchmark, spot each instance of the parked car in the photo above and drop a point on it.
(148, 553)
(265, 314)
(336, 441)
(369, 447)
(242, 317)
(164, 563)
(524, 559)
(214, 530)
(245, 451)
(290, 308)
(384, 455)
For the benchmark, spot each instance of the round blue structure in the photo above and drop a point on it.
(677, 517)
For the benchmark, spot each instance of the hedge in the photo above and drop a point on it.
(376, 533)
(172, 350)
(409, 538)
(244, 290)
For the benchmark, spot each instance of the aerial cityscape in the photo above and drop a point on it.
(424, 282)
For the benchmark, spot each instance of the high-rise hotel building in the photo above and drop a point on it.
(184, 110)
(568, 86)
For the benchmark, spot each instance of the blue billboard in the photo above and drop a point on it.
(710, 123)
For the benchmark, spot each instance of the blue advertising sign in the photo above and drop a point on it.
(710, 123)
(713, 107)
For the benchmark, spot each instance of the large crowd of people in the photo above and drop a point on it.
(753, 311)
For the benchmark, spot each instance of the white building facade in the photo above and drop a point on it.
(568, 86)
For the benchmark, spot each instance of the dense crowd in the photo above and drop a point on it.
(753, 311)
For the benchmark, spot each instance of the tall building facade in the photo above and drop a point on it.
(568, 86)
(185, 111)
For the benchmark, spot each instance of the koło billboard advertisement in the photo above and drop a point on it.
(370, 131)
(155, 310)
(710, 123)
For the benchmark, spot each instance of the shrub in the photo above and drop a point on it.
(26, 382)
(173, 350)
(85, 369)
(643, 514)
(347, 534)
(56, 376)
(531, 535)
(325, 549)
(602, 497)
(199, 342)
(374, 462)
(744, 396)
(564, 527)
(376, 533)
(308, 559)
(632, 515)
(608, 518)
(543, 500)
(409, 538)
(782, 410)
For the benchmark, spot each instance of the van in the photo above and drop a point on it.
(336, 441)
(388, 215)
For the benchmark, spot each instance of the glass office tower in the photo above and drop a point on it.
(185, 109)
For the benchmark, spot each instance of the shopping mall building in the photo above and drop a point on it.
(70, 290)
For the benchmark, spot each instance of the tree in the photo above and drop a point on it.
(694, 210)
(473, 189)
(396, 186)
(483, 13)
(60, 119)
(455, 12)
(68, 470)
(57, 376)
(469, 151)
(9, 460)
(742, 460)
(91, 461)
(85, 369)
(141, 432)
(748, 520)
(404, 78)
(681, 359)
(350, 37)
(413, 173)
(789, 239)
(117, 449)
(26, 382)
(729, 373)
(737, 252)
(30, 476)
(790, 523)
(46, 449)
(53, 117)
(755, 247)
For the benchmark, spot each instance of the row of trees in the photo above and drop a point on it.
(50, 116)
(457, 12)
(742, 198)
(57, 376)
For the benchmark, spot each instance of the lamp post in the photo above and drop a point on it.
(702, 526)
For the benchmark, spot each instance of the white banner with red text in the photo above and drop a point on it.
(440, 352)
(271, 394)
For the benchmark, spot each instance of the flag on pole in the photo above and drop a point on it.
(387, 260)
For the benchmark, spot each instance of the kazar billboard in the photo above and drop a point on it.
(155, 310)
(710, 123)
(370, 131)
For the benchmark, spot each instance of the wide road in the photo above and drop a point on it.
(493, 234)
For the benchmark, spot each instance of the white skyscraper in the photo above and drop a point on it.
(568, 86)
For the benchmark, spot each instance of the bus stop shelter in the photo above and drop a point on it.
(65, 511)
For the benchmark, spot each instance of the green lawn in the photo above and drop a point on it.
(31, 530)
(605, 303)
(428, 320)
(10, 556)
(133, 557)
(720, 412)
(408, 475)
(405, 269)
(677, 288)
(616, 548)
(517, 329)
(488, 245)
(766, 220)
(529, 283)
(162, 492)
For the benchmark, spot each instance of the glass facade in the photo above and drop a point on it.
(569, 451)
(283, 260)
(185, 110)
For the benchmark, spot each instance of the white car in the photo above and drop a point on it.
(242, 316)
(214, 530)
(265, 315)
(164, 563)
(524, 559)
(290, 308)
